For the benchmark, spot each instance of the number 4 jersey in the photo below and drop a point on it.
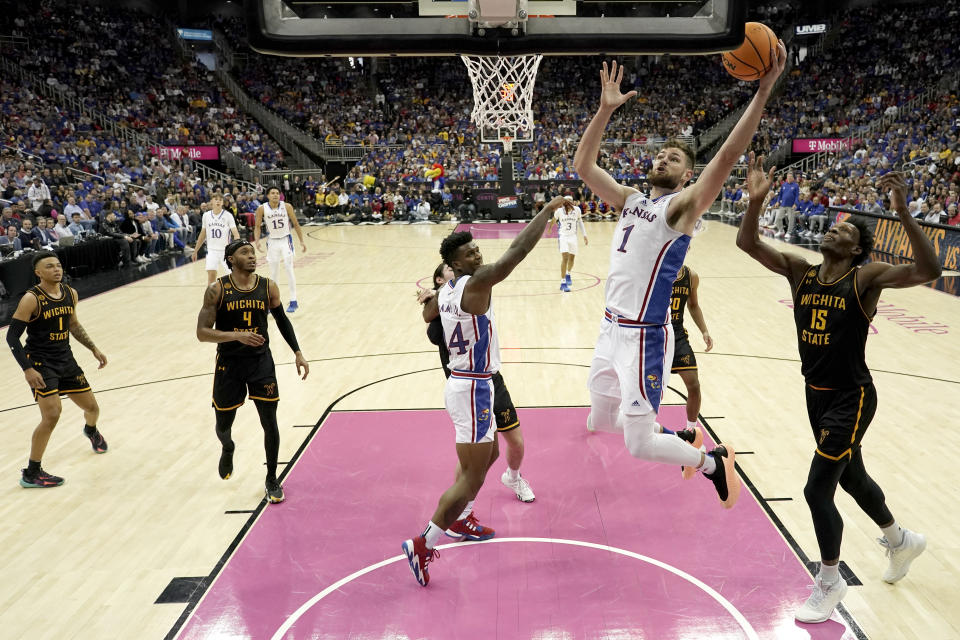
(472, 340)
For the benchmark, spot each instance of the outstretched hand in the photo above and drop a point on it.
(758, 180)
(780, 61)
(611, 98)
(897, 186)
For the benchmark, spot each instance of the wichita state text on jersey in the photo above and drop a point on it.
(243, 310)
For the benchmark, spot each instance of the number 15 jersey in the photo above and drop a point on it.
(645, 256)
(472, 340)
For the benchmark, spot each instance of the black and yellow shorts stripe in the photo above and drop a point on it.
(683, 357)
(503, 409)
(237, 377)
(839, 418)
(61, 378)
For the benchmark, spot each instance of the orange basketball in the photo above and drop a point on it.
(754, 58)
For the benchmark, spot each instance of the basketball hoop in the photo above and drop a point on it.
(503, 95)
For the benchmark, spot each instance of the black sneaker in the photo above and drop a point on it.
(226, 464)
(39, 480)
(96, 441)
(725, 477)
(694, 437)
(274, 491)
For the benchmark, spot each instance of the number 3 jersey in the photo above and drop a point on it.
(472, 340)
(645, 256)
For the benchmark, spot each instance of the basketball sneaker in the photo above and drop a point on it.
(225, 468)
(694, 437)
(724, 477)
(292, 306)
(564, 286)
(568, 280)
(822, 601)
(469, 529)
(274, 492)
(521, 487)
(419, 557)
(96, 441)
(901, 556)
(39, 480)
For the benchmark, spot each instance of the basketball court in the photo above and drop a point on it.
(148, 542)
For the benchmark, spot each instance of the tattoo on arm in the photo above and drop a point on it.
(78, 332)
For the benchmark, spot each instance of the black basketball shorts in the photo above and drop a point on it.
(839, 418)
(683, 358)
(503, 408)
(236, 377)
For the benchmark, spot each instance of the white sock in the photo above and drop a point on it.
(292, 279)
(691, 424)
(467, 510)
(709, 464)
(513, 474)
(432, 534)
(893, 534)
(829, 573)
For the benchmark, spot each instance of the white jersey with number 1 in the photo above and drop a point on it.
(277, 221)
(218, 229)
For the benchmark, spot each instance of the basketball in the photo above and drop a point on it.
(754, 58)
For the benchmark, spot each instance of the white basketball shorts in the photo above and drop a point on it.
(215, 259)
(279, 249)
(469, 401)
(568, 244)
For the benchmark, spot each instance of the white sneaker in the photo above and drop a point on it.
(900, 557)
(822, 601)
(521, 487)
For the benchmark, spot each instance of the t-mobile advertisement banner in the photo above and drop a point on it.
(813, 145)
(209, 152)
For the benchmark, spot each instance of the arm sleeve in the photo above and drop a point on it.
(285, 327)
(17, 327)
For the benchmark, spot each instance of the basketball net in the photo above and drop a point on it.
(503, 95)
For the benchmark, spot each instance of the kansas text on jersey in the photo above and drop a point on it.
(831, 331)
(645, 256)
(243, 310)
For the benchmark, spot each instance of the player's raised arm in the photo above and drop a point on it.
(585, 160)
(748, 236)
(476, 295)
(926, 265)
(697, 198)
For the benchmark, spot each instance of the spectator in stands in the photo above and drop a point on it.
(29, 237)
(787, 207)
(62, 229)
(7, 219)
(127, 244)
(10, 238)
(76, 228)
(37, 193)
(953, 218)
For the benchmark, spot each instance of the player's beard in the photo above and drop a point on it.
(663, 181)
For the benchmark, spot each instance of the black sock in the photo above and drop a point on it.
(271, 435)
(224, 426)
(33, 467)
(88, 430)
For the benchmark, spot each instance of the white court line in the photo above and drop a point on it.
(723, 602)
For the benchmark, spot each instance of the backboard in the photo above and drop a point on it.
(493, 27)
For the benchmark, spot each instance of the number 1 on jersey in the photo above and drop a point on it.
(457, 341)
(626, 234)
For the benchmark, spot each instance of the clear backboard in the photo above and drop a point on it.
(494, 27)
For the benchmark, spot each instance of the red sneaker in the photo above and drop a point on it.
(469, 529)
(419, 557)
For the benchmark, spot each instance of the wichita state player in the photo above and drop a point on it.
(234, 315)
(48, 313)
(684, 297)
(833, 305)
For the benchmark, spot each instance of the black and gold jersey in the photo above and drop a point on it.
(831, 331)
(679, 297)
(243, 310)
(48, 331)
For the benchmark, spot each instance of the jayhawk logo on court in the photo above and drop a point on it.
(484, 415)
(270, 389)
(654, 381)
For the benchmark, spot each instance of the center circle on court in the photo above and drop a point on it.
(521, 587)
